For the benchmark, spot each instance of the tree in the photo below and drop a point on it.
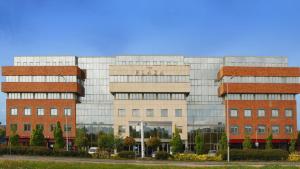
(269, 142)
(176, 143)
(292, 146)
(14, 137)
(106, 141)
(247, 143)
(58, 137)
(199, 141)
(2, 133)
(129, 141)
(223, 142)
(118, 143)
(37, 137)
(153, 142)
(81, 139)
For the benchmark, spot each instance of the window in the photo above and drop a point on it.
(52, 127)
(39, 126)
(149, 96)
(178, 112)
(234, 129)
(121, 112)
(248, 129)
(233, 113)
(136, 96)
(275, 129)
(261, 113)
(247, 113)
(67, 112)
(27, 127)
(122, 96)
(261, 129)
(136, 112)
(53, 96)
(14, 127)
(288, 129)
(53, 112)
(13, 111)
(149, 112)
(40, 112)
(27, 111)
(275, 113)
(288, 113)
(164, 96)
(164, 113)
(40, 96)
(122, 129)
(67, 127)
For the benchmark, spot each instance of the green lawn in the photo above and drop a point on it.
(61, 165)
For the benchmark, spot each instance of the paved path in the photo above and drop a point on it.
(144, 162)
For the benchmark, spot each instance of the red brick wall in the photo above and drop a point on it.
(254, 121)
(20, 119)
(258, 71)
(263, 88)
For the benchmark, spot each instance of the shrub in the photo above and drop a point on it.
(101, 154)
(294, 157)
(252, 154)
(195, 157)
(162, 155)
(127, 154)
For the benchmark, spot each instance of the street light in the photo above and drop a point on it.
(66, 114)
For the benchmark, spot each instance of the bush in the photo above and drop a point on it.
(41, 151)
(127, 154)
(195, 157)
(101, 154)
(294, 157)
(252, 154)
(162, 155)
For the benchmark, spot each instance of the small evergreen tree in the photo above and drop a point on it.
(37, 137)
(176, 143)
(106, 141)
(118, 143)
(223, 142)
(292, 146)
(247, 143)
(129, 141)
(14, 137)
(199, 141)
(269, 142)
(81, 139)
(58, 137)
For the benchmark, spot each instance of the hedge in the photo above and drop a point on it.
(126, 154)
(162, 155)
(253, 154)
(41, 151)
(196, 157)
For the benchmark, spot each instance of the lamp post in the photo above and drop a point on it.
(66, 117)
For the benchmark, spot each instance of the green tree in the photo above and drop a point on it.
(292, 146)
(2, 133)
(14, 137)
(223, 142)
(81, 139)
(247, 143)
(199, 141)
(118, 143)
(129, 141)
(176, 142)
(106, 141)
(153, 143)
(269, 142)
(37, 137)
(58, 137)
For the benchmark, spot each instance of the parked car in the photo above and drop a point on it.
(153, 154)
(93, 150)
(212, 153)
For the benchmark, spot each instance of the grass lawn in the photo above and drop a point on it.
(60, 165)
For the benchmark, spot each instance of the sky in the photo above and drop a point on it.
(192, 28)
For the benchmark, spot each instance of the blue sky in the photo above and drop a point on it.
(112, 27)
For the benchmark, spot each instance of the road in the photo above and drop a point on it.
(143, 162)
